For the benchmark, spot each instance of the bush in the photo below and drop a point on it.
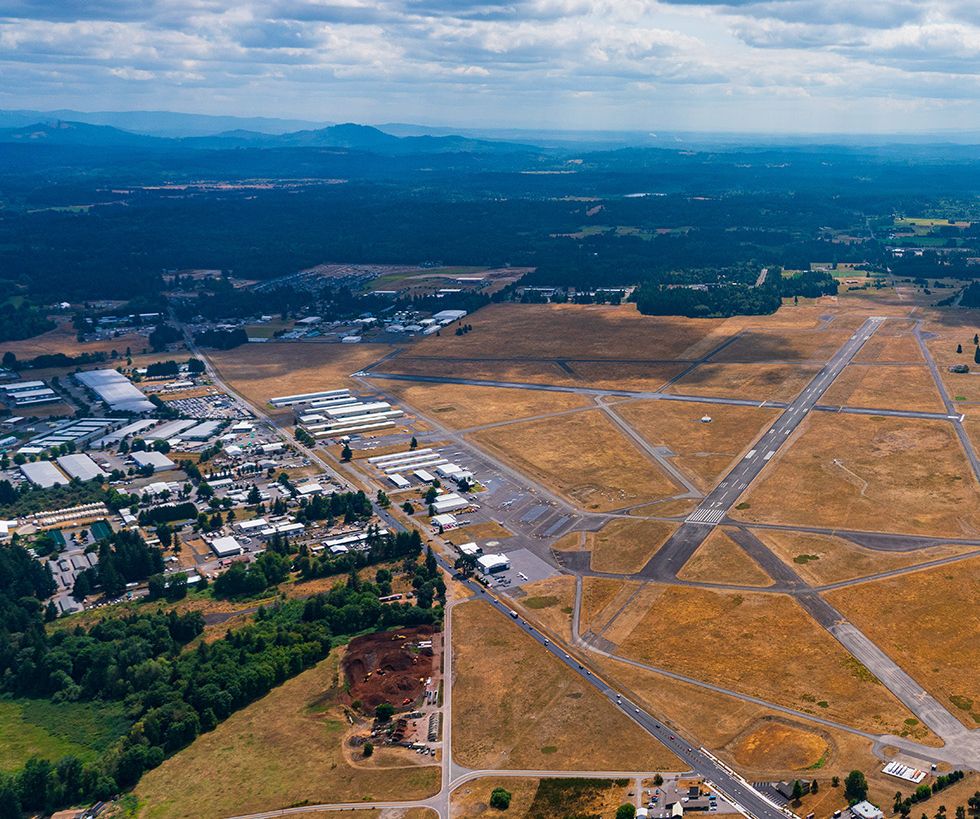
(384, 712)
(500, 799)
(626, 811)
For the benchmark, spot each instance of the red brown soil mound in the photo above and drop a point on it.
(388, 667)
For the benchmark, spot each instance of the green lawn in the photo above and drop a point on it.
(52, 730)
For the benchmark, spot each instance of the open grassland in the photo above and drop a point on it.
(458, 407)
(53, 730)
(602, 597)
(285, 749)
(869, 473)
(635, 376)
(758, 382)
(525, 710)
(540, 798)
(575, 331)
(549, 603)
(721, 560)
(823, 559)
(582, 456)
(885, 348)
(262, 371)
(519, 372)
(481, 530)
(64, 339)
(928, 623)
(624, 546)
(788, 344)
(779, 744)
(892, 387)
(703, 451)
(764, 645)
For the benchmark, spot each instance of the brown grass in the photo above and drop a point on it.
(759, 382)
(881, 347)
(720, 560)
(870, 473)
(894, 387)
(704, 451)
(484, 530)
(279, 751)
(526, 372)
(788, 345)
(262, 371)
(597, 594)
(640, 377)
(523, 709)
(764, 645)
(63, 339)
(822, 559)
(927, 622)
(624, 546)
(582, 456)
(549, 603)
(471, 799)
(780, 745)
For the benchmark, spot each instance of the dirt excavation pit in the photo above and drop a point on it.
(388, 667)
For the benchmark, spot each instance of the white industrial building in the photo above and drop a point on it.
(424, 476)
(78, 431)
(157, 460)
(491, 564)
(124, 432)
(469, 549)
(81, 467)
(44, 474)
(306, 397)
(445, 522)
(115, 390)
(169, 430)
(399, 481)
(226, 546)
(202, 431)
(450, 503)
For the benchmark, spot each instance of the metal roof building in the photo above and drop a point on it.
(225, 546)
(157, 460)
(44, 474)
(116, 390)
(81, 467)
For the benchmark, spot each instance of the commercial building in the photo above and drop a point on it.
(159, 461)
(450, 503)
(44, 474)
(226, 546)
(81, 467)
(865, 810)
(492, 564)
(115, 390)
(202, 431)
(79, 431)
(399, 481)
(444, 522)
(306, 397)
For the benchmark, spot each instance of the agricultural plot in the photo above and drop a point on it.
(869, 473)
(928, 623)
(887, 387)
(758, 382)
(720, 560)
(458, 407)
(525, 709)
(282, 750)
(582, 456)
(702, 450)
(763, 645)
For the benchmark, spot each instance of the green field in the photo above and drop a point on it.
(53, 730)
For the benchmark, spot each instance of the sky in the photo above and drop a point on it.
(762, 66)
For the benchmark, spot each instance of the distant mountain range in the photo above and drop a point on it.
(348, 136)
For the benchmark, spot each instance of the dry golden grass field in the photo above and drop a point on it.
(888, 387)
(884, 348)
(760, 644)
(549, 603)
(262, 371)
(780, 744)
(527, 802)
(759, 382)
(869, 473)
(63, 339)
(823, 559)
(928, 623)
(525, 709)
(789, 344)
(483, 530)
(279, 751)
(598, 593)
(720, 560)
(703, 451)
(458, 407)
(521, 372)
(624, 546)
(639, 377)
(582, 456)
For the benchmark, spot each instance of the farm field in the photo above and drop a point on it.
(703, 451)
(523, 711)
(764, 645)
(458, 407)
(582, 456)
(927, 622)
(886, 387)
(758, 382)
(260, 371)
(281, 750)
(869, 473)
(624, 546)
(53, 730)
(823, 559)
(720, 560)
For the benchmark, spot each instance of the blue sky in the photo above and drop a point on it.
(747, 65)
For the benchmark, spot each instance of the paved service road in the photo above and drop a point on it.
(684, 542)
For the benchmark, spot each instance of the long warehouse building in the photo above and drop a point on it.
(81, 467)
(115, 390)
(43, 474)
